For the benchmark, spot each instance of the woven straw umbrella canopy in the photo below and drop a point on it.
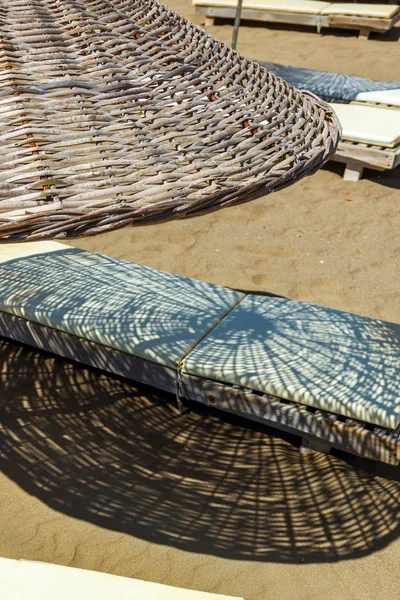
(122, 112)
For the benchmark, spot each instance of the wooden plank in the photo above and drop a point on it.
(376, 104)
(353, 171)
(340, 21)
(310, 446)
(369, 156)
(396, 159)
(87, 353)
(358, 22)
(364, 33)
(264, 15)
(316, 426)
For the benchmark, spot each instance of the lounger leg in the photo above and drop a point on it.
(208, 21)
(310, 446)
(364, 33)
(353, 172)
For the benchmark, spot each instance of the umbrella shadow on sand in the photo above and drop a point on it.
(118, 455)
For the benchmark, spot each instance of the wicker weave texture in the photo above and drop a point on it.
(122, 112)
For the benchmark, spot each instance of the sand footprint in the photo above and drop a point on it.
(262, 280)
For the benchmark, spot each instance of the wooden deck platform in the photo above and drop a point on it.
(357, 157)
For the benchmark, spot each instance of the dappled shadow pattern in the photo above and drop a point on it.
(332, 360)
(148, 313)
(118, 455)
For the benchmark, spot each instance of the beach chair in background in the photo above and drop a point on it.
(330, 377)
(370, 138)
(370, 134)
(33, 580)
(366, 18)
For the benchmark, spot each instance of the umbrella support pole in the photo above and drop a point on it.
(237, 24)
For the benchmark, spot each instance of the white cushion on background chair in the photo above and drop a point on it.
(369, 124)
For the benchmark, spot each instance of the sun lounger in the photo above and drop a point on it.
(32, 580)
(331, 377)
(370, 138)
(363, 17)
(370, 135)
(335, 87)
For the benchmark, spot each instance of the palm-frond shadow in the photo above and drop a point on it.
(118, 455)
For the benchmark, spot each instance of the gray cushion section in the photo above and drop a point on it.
(330, 86)
(148, 313)
(328, 359)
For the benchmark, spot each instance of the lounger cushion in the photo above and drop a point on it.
(13, 251)
(312, 7)
(369, 124)
(327, 359)
(144, 312)
(383, 11)
(31, 580)
(330, 85)
(391, 97)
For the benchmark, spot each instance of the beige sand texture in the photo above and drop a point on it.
(101, 474)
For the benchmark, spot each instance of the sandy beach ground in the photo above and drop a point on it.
(99, 473)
